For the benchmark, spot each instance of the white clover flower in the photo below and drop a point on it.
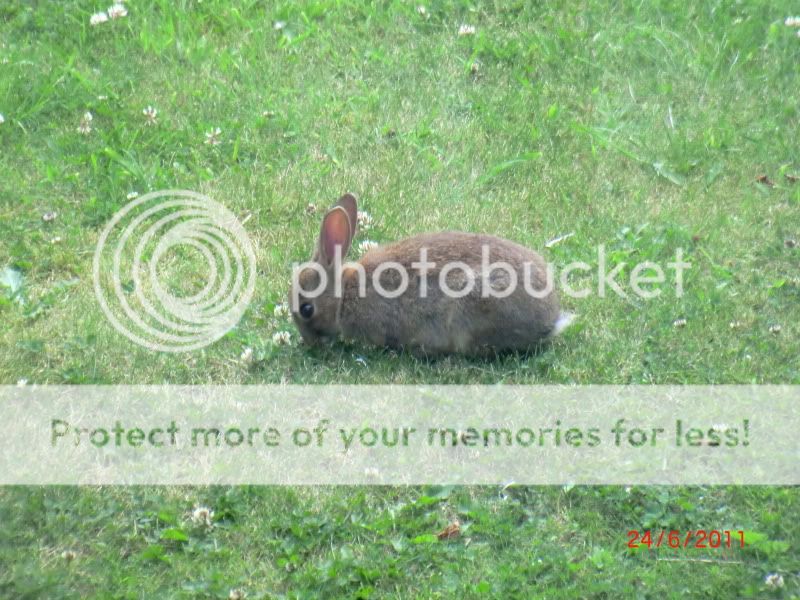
(102, 97)
(776, 329)
(117, 11)
(22, 383)
(364, 219)
(774, 581)
(69, 555)
(679, 323)
(278, 25)
(735, 324)
(366, 246)
(2, 119)
(150, 115)
(132, 195)
(98, 18)
(421, 10)
(247, 356)
(202, 515)
(466, 30)
(282, 338)
(85, 126)
(212, 137)
(56, 240)
(49, 216)
(236, 594)
(792, 22)
(281, 310)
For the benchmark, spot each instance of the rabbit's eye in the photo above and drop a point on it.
(306, 310)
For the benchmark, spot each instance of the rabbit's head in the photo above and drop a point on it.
(313, 300)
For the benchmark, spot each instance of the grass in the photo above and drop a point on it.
(640, 126)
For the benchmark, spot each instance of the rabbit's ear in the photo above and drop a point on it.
(349, 204)
(336, 232)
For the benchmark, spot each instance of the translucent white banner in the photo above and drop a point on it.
(400, 435)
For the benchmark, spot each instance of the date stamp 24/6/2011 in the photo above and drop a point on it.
(693, 538)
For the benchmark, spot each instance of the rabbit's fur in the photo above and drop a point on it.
(434, 324)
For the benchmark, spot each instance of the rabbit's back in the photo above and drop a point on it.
(428, 315)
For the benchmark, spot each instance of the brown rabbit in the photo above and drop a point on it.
(461, 303)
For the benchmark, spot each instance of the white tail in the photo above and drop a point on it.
(564, 320)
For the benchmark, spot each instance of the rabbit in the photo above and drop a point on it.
(421, 313)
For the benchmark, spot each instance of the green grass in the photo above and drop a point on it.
(640, 126)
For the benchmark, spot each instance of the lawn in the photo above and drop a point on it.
(642, 127)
